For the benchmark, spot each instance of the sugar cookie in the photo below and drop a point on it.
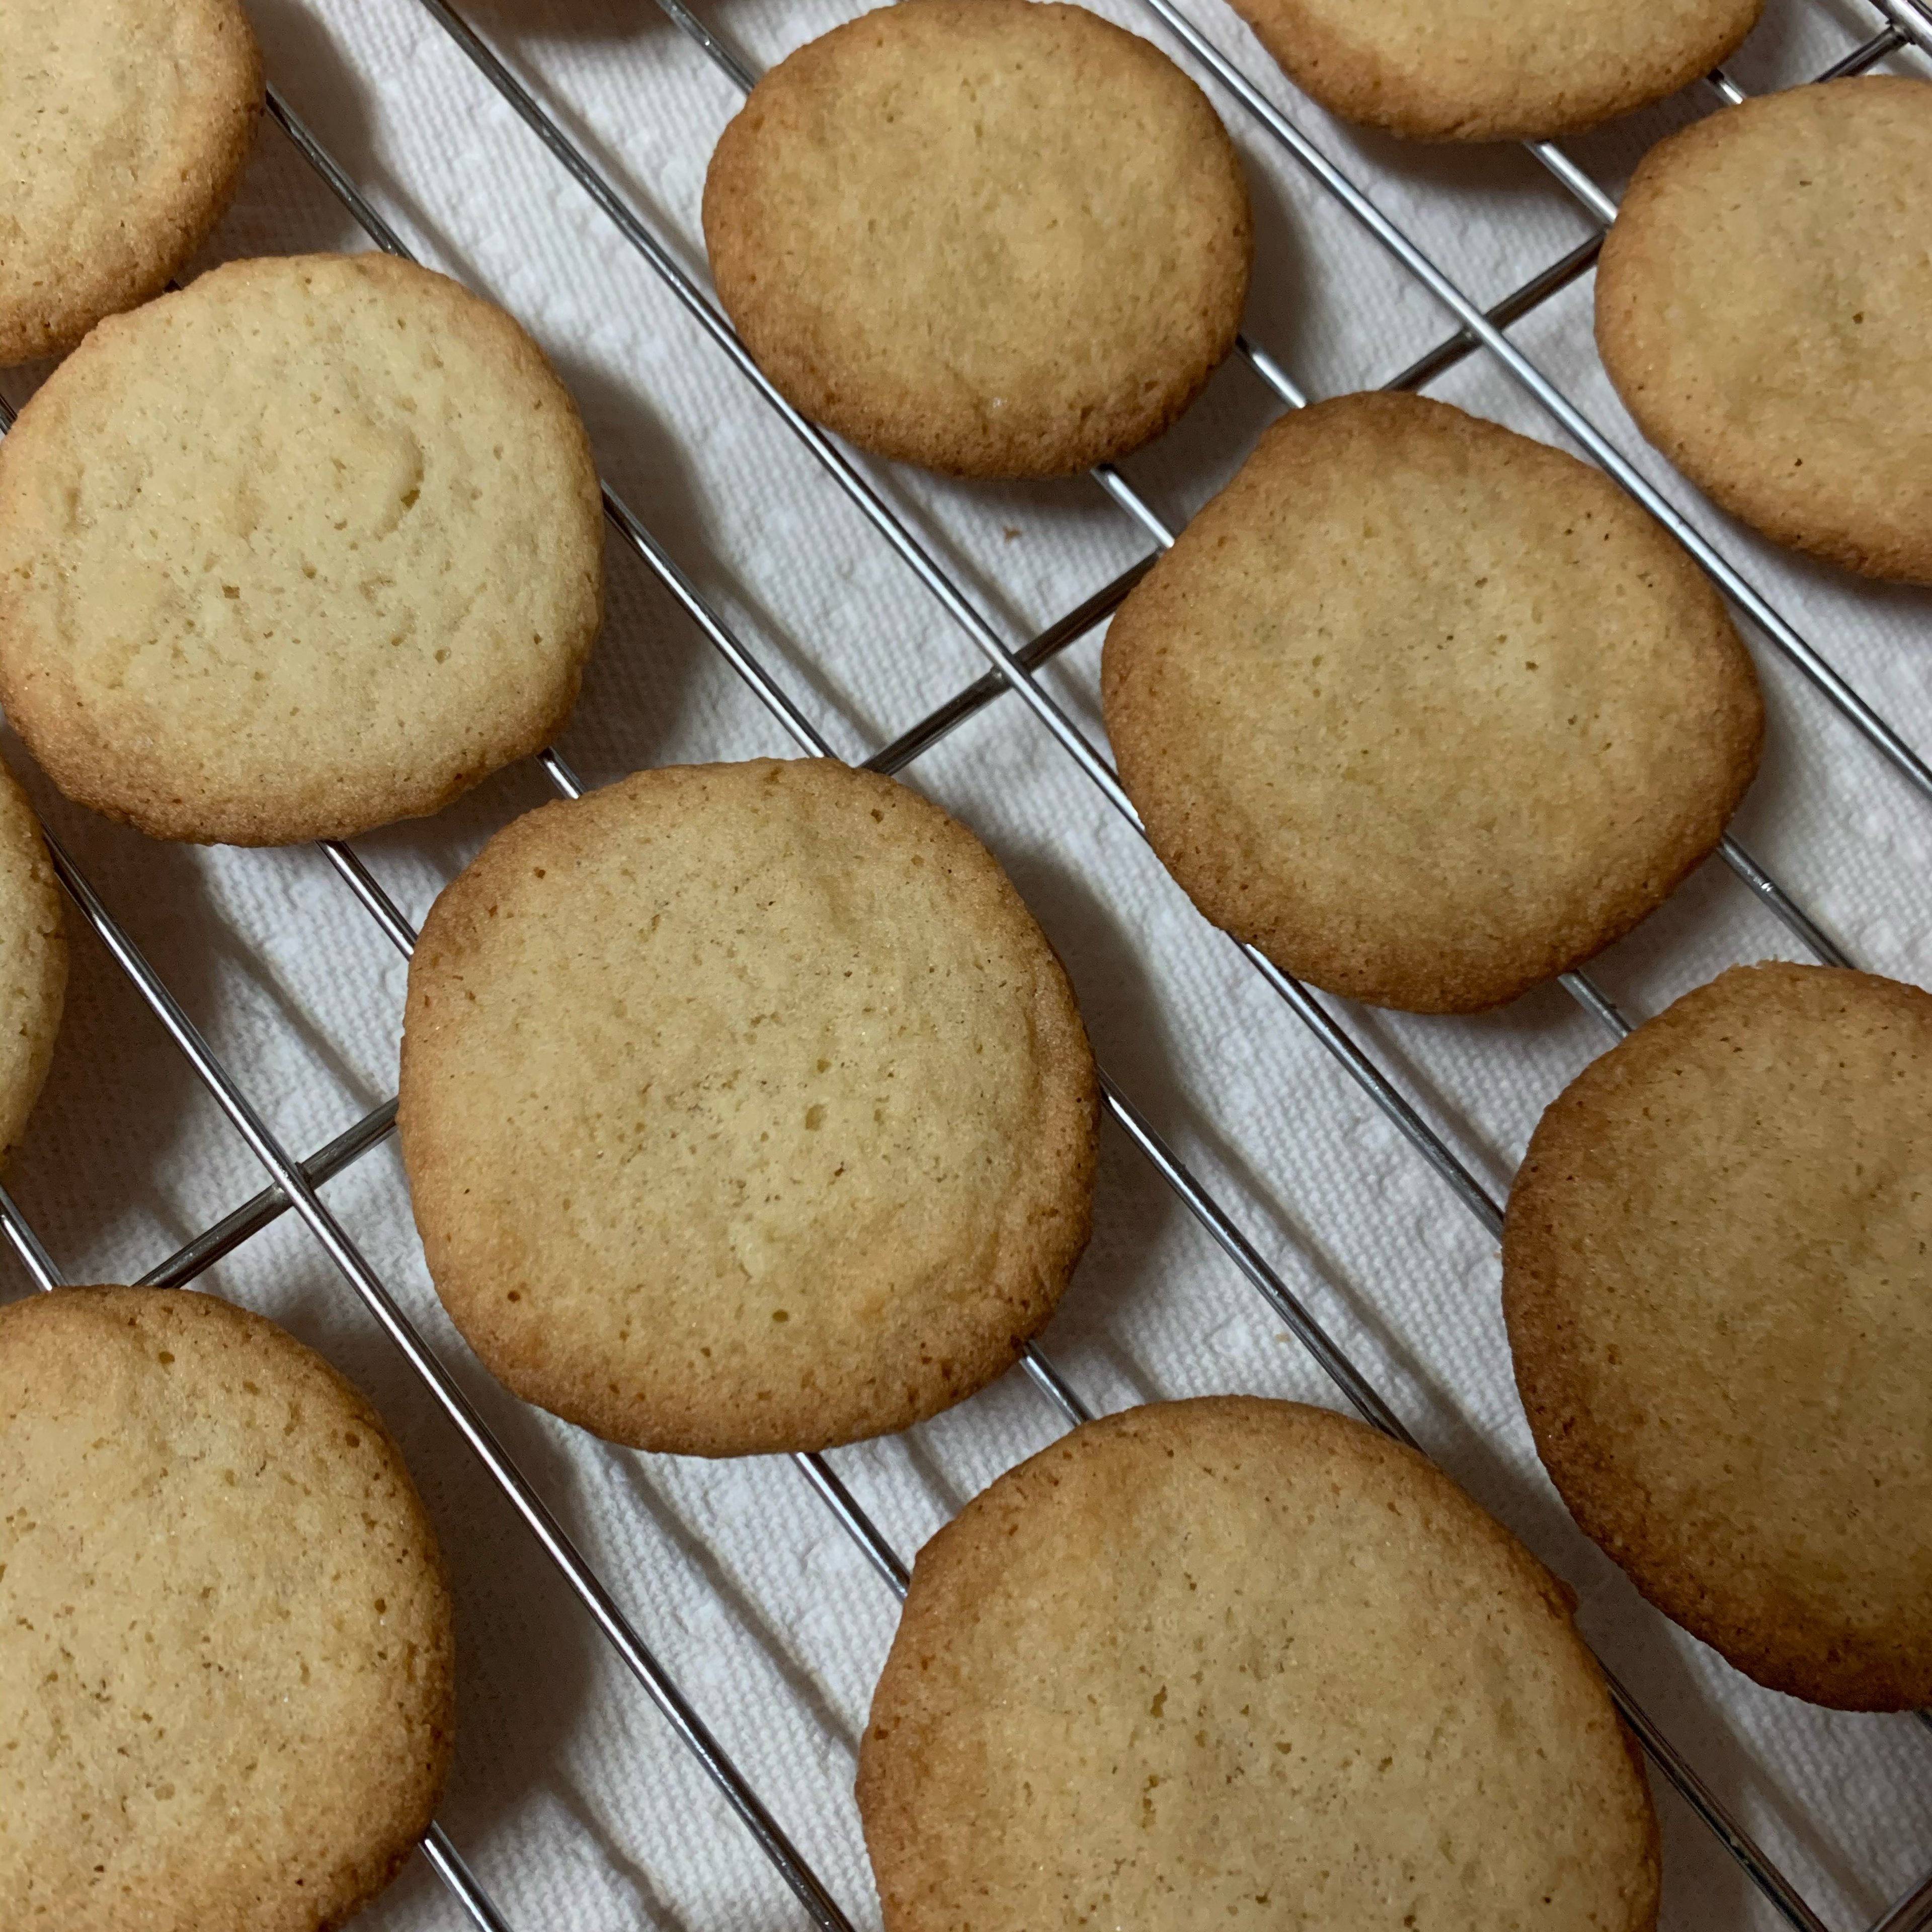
(1761, 306)
(1238, 1662)
(226, 1700)
(1495, 70)
(994, 238)
(1715, 1275)
(745, 1107)
(1426, 710)
(314, 544)
(123, 124)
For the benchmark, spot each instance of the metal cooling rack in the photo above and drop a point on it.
(294, 1184)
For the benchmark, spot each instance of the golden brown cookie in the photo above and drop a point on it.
(123, 124)
(1716, 1278)
(1761, 306)
(1427, 711)
(225, 1699)
(994, 238)
(1233, 1661)
(745, 1107)
(33, 961)
(312, 545)
(1495, 70)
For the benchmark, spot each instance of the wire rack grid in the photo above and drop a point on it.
(295, 1185)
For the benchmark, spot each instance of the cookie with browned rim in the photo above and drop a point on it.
(1761, 307)
(745, 1108)
(1715, 1275)
(226, 1686)
(1231, 1661)
(123, 124)
(1426, 710)
(1495, 70)
(33, 961)
(994, 238)
(313, 544)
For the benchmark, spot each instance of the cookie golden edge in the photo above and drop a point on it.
(698, 1424)
(51, 720)
(731, 185)
(1724, 467)
(372, 1868)
(1554, 1391)
(44, 980)
(1156, 608)
(944, 1583)
(1425, 106)
(203, 187)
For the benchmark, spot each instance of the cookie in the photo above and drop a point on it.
(1427, 711)
(123, 124)
(1720, 1304)
(33, 961)
(994, 238)
(1495, 70)
(1760, 307)
(312, 545)
(1235, 1661)
(225, 1699)
(745, 1108)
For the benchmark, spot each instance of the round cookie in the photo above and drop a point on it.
(1715, 1279)
(1235, 1661)
(225, 1646)
(1761, 302)
(312, 545)
(1495, 70)
(994, 238)
(123, 124)
(1426, 710)
(33, 961)
(745, 1108)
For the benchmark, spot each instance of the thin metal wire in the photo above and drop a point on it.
(1912, 1913)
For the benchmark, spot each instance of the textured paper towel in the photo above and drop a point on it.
(578, 1806)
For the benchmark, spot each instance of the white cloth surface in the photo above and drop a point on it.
(577, 1807)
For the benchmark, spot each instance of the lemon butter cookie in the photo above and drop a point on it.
(1495, 70)
(1761, 306)
(1426, 710)
(123, 124)
(226, 1697)
(1231, 1661)
(313, 544)
(1716, 1280)
(994, 238)
(745, 1107)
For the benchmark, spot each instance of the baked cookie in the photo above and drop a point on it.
(745, 1108)
(1234, 1661)
(994, 238)
(1427, 711)
(123, 124)
(1495, 70)
(1716, 1277)
(1761, 305)
(312, 545)
(33, 961)
(225, 1662)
